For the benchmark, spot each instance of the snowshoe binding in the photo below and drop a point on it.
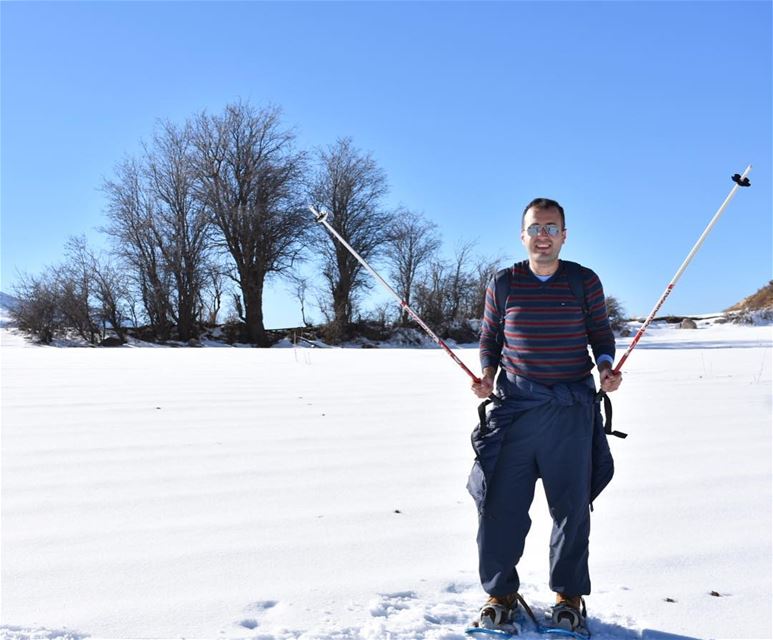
(569, 614)
(499, 616)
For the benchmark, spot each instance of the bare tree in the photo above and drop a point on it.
(77, 296)
(250, 180)
(160, 230)
(349, 185)
(111, 291)
(74, 280)
(431, 295)
(616, 313)
(214, 277)
(450, 293)
(384, 314)
(180, 225)
(37, 308)
(132, 219)
(299, 286)
(413, 243)
(484, 269)
(459, 283)
(108, 288)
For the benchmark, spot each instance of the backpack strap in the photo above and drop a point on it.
(502, 283)
(577, 286)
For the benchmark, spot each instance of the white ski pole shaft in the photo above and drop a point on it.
(740, 181)
(321, 217)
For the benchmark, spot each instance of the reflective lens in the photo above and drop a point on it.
(551, 229)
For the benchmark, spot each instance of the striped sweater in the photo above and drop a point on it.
(545, 335)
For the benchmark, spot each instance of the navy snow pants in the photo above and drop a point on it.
(553, 433)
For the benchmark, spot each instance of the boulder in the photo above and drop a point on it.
(111, 341)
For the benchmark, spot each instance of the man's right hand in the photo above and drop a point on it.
(485, 387)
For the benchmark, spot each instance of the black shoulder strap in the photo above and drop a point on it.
(502, 282)
(577, 286)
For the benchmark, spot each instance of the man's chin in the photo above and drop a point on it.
(544, 258)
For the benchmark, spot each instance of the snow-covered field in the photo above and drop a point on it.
(320, 493)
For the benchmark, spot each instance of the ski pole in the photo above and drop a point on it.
(740, 181)
(321, 217)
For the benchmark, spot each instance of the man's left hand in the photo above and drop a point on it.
(609, 380)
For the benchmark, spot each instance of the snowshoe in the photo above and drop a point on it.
(569, 614)
(498, 616)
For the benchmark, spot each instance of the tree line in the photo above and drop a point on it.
(214, 208)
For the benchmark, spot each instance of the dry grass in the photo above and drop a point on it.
(762, 299)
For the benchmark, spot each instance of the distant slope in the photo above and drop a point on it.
(7, 301)
(762, 299)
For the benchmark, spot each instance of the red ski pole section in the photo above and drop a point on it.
(643, 328)
(439, 341)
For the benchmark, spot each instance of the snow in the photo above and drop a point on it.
(320, 493)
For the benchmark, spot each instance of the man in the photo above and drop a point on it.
(546, 423)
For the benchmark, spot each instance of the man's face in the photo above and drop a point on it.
(543, 248)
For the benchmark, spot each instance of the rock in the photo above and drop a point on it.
(111, 341)
(688, 323)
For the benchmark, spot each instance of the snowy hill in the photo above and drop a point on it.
(8, 334)
(320, 493)
(7, 301)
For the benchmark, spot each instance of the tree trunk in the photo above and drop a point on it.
(253, 311)
(340, 329)
(187, 311)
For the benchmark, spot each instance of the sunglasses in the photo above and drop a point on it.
(551, 229)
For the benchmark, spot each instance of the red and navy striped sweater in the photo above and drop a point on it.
(546, 339)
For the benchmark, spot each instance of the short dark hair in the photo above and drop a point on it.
(544, 203)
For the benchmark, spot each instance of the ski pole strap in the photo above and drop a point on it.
(482, 412)
(527, 609)
(602, 396)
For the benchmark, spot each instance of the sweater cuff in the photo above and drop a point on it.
(605, 358)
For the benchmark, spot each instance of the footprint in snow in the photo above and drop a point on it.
(256, 609)
(249, 623)
(389, 603)
(458, 587)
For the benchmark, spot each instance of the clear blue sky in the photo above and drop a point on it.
(632, 114)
